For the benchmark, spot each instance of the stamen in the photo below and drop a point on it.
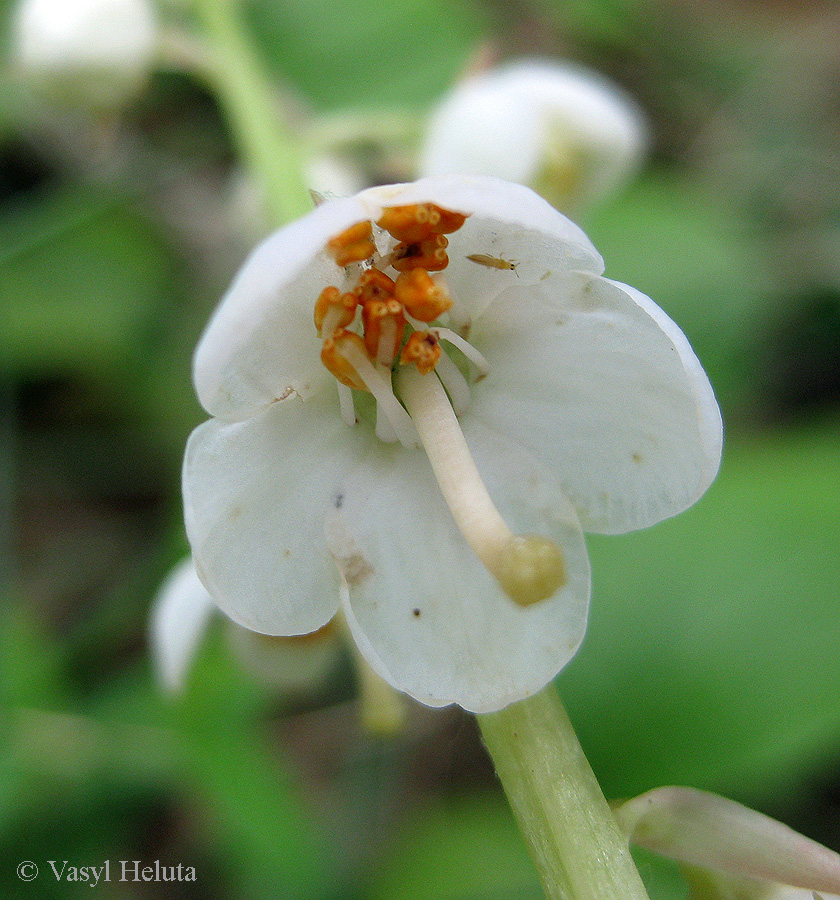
(384, 326)
(421, 349)
(354, 244)
(473, 355)
(340, 354)
(420, 295)
(384, 429)
(410, 223)
(529, 568)
(374, 284)
(429, 254)
(346, 405)
(417, 222)
(334, 310)
(356, 356)
(455, 384)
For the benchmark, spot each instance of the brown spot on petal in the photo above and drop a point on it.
(355, 569)
(352, 563)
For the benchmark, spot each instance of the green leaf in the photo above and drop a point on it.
(711, 655)
(364, 54)
(80, 273)
(464, 849)
(701, 262)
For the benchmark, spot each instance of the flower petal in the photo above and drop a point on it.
(596, 380)
(425, 612)
(255, 497)
(261, 343)
(507, 222)
(292, 665)
(179, 620)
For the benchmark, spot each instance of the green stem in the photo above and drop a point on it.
(244, 89)
(575, 844)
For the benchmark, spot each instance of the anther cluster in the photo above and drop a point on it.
(390, 312)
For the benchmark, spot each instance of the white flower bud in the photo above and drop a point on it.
(96, 52)
(181, 617)
(564, 131)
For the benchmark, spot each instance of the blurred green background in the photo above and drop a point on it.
(712, 655)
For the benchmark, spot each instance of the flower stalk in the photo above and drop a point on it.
(237, 76)
(574, 841)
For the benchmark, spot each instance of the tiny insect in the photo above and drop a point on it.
(492, 262)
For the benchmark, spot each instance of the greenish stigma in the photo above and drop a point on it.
(530, 568)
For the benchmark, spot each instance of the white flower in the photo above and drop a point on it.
(564, 131)
(579, 405)
(98, 51)
(180, 619)
(180, 616)
(749, 855)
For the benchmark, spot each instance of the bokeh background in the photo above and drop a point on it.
(712, 656)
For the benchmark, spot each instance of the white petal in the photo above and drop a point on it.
(293, 665)
(255, 496)
(506, 221)
(261, 343)
(426, 614)
(594, 379)
(179, 620)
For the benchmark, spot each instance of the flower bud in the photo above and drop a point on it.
(92, 52)
(182, 615)
(563, 131)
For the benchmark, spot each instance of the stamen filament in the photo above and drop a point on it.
(473, 355)
(384, 394)
(529, 568)
(346, 405)
(384, 429)
(388, 340)
(455, 384)
(333, 320)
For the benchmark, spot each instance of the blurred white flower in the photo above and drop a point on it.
(768, 860)
(442, 507)
(331, 176)
(94, 51)
(180, 618)
(564, 131)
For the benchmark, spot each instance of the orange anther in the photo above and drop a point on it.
(419, 221)
(334, 310)
(354, 244)
(449, 221)
(384, 324)
(334, 357)
(410, 223)
(419, 294)
(423, 350)
(374, 285)
(428, 254)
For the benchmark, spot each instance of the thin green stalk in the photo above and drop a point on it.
(575, 844)
(244, 90)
